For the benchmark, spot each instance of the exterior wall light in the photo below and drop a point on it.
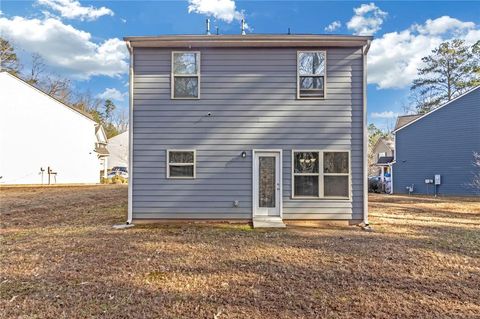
(244, 154)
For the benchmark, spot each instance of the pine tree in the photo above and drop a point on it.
(8, 57)
(452, 69)
(109, 127)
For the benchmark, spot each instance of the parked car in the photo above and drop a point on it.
(118, 171)
(374, 184)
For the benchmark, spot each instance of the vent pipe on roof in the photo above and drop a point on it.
(243, 27)
(208, 26)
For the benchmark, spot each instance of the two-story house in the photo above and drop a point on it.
(45, 141)
(435, 153)
(262, 128)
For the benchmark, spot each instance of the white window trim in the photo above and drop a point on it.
(173, 75)
(321, 174)
(324, 77)
(182, 164)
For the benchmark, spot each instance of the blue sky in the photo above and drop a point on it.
(89, 33)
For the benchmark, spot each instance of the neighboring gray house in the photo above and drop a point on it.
(268, 128)
(441, 142)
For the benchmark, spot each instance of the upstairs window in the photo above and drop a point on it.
(181, 164)
(311, 71)
(186, 75)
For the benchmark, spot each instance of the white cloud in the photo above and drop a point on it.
(384, 115)
(219, 9)
(72, 9)
(394, 58)
(112, 94)
(333, 26)
(66, 48)
(442, 25)
(367, 20)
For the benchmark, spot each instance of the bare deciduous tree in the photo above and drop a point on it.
(58, 87)
(37, 70)
(121, 121)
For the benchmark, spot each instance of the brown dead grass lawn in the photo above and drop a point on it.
(60, 258)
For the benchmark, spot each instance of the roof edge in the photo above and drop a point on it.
(255, 40)
(438, 108)
(84, 114)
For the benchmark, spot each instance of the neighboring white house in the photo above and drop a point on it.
(43, 140)
(118, 148)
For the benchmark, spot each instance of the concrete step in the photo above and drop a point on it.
(268, 222)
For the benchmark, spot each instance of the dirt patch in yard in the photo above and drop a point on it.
(61, 258)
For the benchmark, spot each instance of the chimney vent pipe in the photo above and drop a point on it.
(208, 26)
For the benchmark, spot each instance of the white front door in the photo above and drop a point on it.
(267, 183)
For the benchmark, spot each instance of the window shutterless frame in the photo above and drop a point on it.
(321, 174)
(194, 164)
(313, 75)
(173, 76)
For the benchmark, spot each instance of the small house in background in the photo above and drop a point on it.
(434, 152)
(404, 120)
(101, 149)
(44, 141)
(118, 148)
(384, 152)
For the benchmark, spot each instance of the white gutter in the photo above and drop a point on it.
(365, 136)
(250, 40)
(130, 137)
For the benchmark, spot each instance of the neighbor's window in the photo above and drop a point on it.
(311, 69)
(186, 75)
(180, 164)
(318, 174)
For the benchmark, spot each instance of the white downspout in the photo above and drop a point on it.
(382, 177)
(130, 137)
(391, 178)
(365, 137)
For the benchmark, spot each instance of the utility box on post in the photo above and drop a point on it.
(437, 180)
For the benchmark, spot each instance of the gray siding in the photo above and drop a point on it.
(440, 143)
(251, 94)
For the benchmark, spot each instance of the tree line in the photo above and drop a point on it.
(103, 111)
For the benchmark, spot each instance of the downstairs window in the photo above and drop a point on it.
(321, 174)
(181, 164)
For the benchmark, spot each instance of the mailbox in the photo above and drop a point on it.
(437, 180)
